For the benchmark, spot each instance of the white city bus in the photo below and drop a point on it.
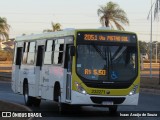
(78, 67)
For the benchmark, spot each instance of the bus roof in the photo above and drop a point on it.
(68, 32)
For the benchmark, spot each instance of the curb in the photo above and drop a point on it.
(19, 105)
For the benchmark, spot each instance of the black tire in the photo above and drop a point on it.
(36, 102)
(75, 109)
(113, 109)
(62, 107)
(28, 99)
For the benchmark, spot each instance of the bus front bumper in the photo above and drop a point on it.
(86, 99)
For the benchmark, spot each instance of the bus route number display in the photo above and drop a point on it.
(109, 38)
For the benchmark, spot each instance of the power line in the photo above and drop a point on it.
(75, 22)
(59, 13)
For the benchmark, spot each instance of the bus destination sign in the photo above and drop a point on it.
(116, 38)
(107, 37)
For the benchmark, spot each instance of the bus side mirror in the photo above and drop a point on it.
(72, 50)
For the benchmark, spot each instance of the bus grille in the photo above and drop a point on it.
(116, 100)
(116, 85)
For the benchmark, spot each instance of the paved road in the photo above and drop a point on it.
(147, 102)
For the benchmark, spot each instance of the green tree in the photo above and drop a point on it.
(143, 47)
(55, 27)
(112, 13)
(4, 30)
(154, 47)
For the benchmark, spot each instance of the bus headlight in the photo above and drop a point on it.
(79, 88)
(134, 90)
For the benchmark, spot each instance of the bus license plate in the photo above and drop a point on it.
(107, 103)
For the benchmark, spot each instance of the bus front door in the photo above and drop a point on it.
(68, 77)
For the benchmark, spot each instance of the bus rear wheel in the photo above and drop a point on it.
(36, 102)
(28, 99)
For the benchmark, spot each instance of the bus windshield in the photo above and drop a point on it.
(106, 63)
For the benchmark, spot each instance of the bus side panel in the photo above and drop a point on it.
(50, 75)
(28, 73)
(64, 90)
(37, 80)
(47, 83)
(16, 87)
(16, 67)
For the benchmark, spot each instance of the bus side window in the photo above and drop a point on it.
(66, 57)
(40, 56)
(58, 52)
(48, 52)
(31, 53)
(19, 56)
(60, 58)
(25, 51)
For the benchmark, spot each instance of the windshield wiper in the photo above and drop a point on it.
(116, 53)
(99, 51)
(104, 56)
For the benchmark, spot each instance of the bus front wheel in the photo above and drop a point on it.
(28, 99)
(113, 109)
(62, 107)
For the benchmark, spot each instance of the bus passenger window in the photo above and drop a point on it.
(31, 53)
(40, 56)
(25, 51)
(19, 56)
(48, 53)
(60, 58)
(58, 54)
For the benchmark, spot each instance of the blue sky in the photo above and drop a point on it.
(33, 16)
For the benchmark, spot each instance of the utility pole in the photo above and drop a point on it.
(156, 51)
(159, 72)
(151, 44)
